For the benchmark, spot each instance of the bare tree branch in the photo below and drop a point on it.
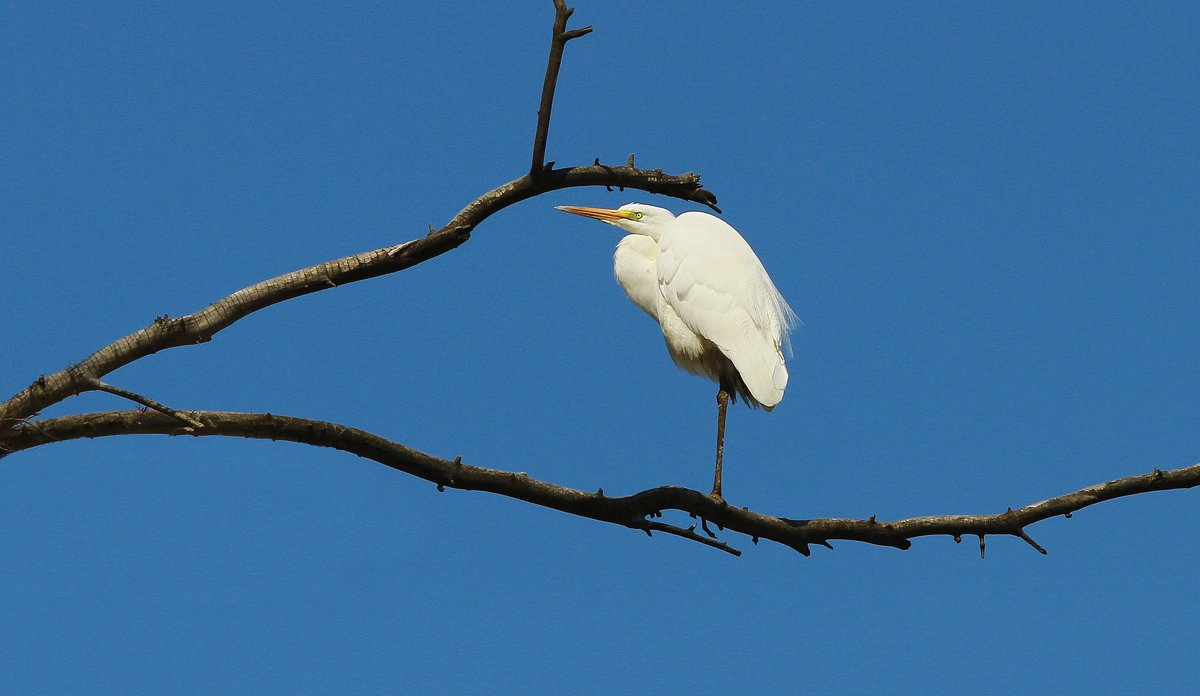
(558, 41)
(199, 327)
(637, 511)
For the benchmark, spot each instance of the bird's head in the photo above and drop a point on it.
(634, 218)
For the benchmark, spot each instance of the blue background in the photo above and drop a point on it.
(985, 214)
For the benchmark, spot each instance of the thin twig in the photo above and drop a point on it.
(148, 403)
(1021, 533)
(690, 534)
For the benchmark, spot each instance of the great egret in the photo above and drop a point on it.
(720, 314)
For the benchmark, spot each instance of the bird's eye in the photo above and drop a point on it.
(637, 216)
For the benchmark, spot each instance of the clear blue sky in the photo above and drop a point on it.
(985, 214)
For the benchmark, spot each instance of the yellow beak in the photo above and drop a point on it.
(602, 214)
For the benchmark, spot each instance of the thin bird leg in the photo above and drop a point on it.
(722, 405)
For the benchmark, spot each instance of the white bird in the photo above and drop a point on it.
(719, 312)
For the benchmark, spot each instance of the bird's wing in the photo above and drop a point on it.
(714, 281)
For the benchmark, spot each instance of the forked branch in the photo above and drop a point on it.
(199, 327)
(558, 41)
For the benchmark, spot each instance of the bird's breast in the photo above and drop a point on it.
(635, 267)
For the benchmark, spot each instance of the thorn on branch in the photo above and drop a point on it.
(704, 526)
(1067, 515)
(982, 547)
(629, 164)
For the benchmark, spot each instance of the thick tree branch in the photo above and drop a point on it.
(637, 511)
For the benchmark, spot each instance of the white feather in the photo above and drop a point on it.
(711, 296)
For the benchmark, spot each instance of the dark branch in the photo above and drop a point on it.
(558, 41)
(635, 511)
(199, 327)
